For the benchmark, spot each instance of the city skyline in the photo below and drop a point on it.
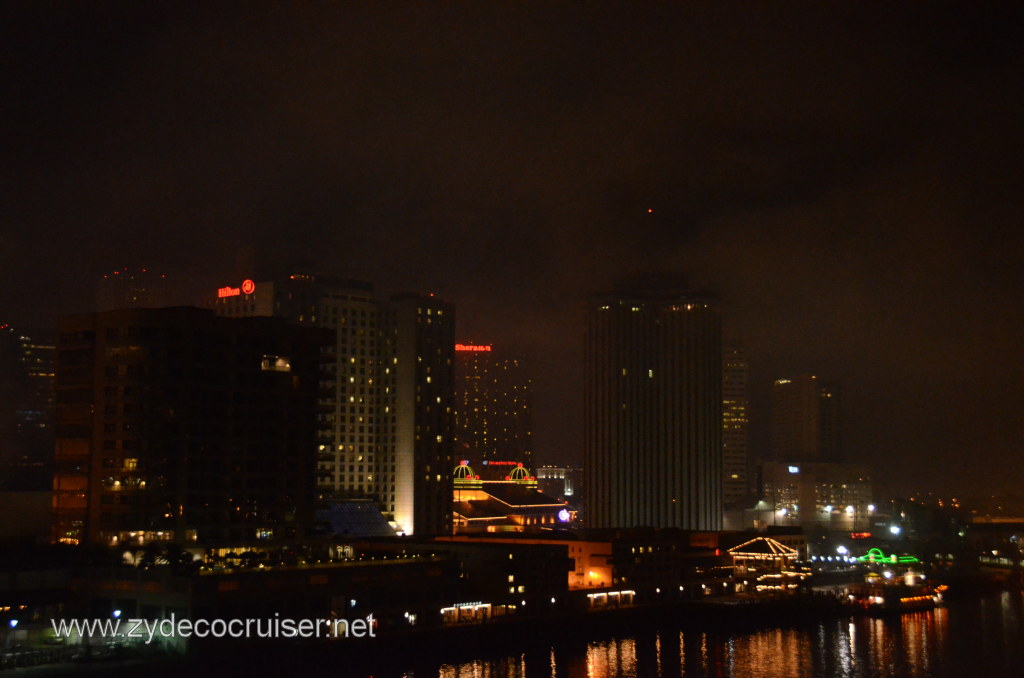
(856, 210)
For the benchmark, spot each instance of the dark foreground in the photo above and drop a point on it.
(981, 636)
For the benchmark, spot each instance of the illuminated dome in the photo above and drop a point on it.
(519, 473)
(463, 471)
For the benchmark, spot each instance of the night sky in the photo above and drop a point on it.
(848, 178)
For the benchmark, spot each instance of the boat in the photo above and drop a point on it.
(885, 594)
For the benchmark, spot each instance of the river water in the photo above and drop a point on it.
(976, 638)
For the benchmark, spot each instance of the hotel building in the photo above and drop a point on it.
(492, 406)
(653, 412)
(385, 420)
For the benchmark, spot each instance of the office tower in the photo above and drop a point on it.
(653, 412)
(380, 397)
(132, 288)
(805, 420)
(174, 424)
(735, 486)
(492, 406)
(26, 408)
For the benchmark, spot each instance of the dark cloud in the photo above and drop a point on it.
(846, 177)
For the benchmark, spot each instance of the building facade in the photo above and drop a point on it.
(805, 420)
(492, 406)
(653, 412)
(176, 425)
(828, 495)
(132, 288)
(735, 422)
(385, 421)
(563, 482)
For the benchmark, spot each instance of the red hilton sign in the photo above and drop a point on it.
(248, 287)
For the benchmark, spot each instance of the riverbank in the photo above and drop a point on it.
(723, 615)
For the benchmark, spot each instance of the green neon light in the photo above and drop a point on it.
(875, 555)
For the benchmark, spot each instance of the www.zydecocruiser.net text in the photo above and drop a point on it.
(267, 627)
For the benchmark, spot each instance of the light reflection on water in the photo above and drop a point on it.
(983, 638)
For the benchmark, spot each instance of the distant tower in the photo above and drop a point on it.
(805, 420)
(735, 421)
(653, 411)
(492, 406)
(132, 288)
(26, 407)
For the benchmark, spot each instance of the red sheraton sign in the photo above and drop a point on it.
(473, 348)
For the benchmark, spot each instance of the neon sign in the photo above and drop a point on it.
(473, 348)
(247, 287)
(502, 463)
(875, 555)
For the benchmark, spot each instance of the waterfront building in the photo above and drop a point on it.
(829, 495)
(176, 425)
(511, 504)
(653, 411)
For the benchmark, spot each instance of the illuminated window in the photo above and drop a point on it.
(275, 363)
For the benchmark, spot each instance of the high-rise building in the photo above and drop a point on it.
(385, 430)
(174, 424)
(419, 338)
(132, 288)
(805, 420)
(735, 461)
(492, 406)
(653, 412)
(26, 408)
